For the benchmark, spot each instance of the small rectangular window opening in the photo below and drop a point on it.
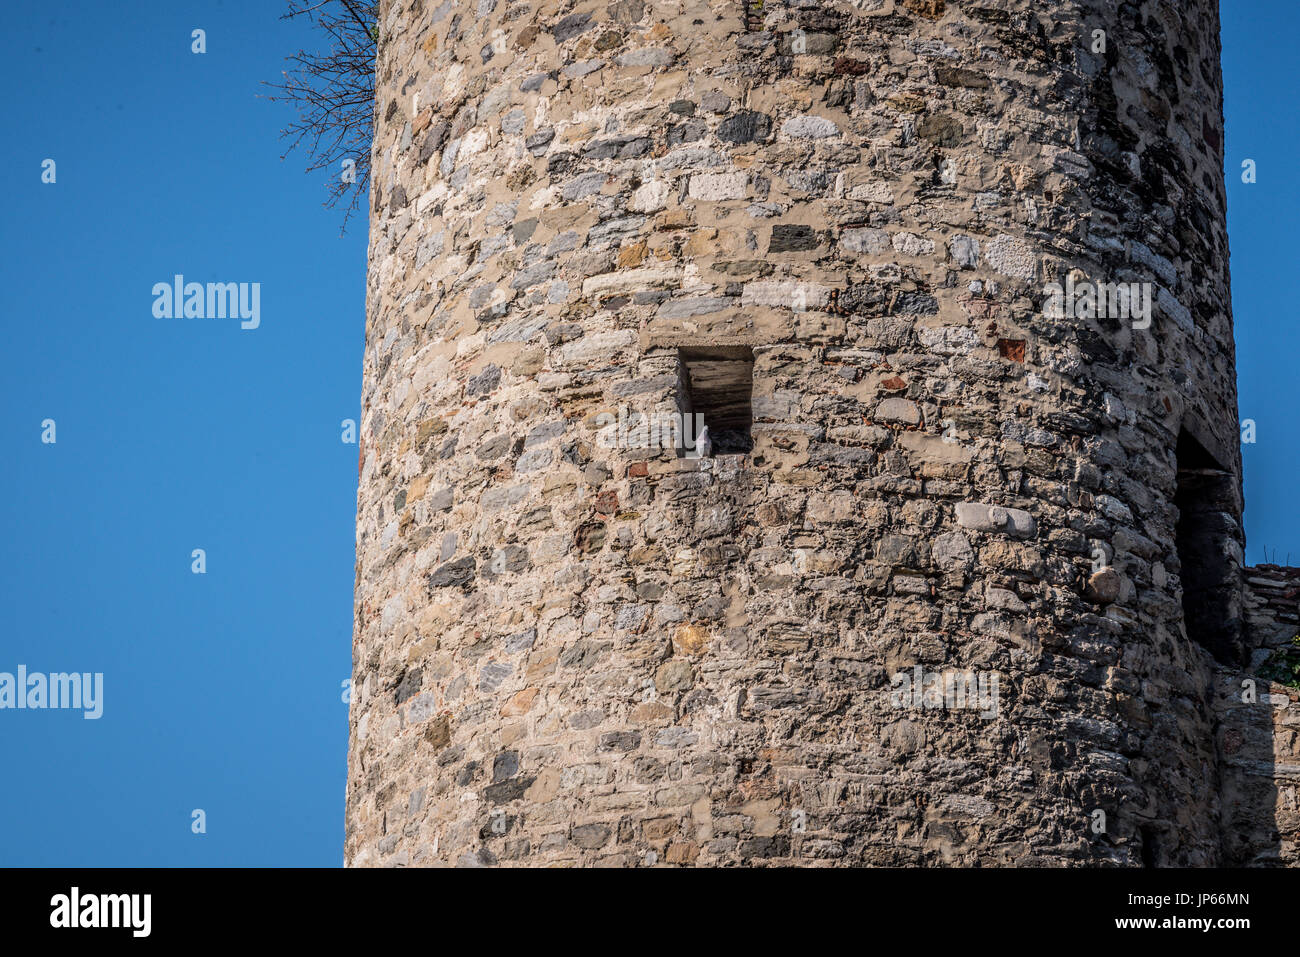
(1205, 532)
(715, 389)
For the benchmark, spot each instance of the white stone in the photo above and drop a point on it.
(809, 127)
(949, 340)
(789, 294)
(650, 197)
(581, 69)
(900, 411)
(714, 187)
(600, 345)
(646, 56)
(910, 244)
(1011, 257)
(996, 518)
(872, 193)
(865, 240)
(965, 251)
(630, 280)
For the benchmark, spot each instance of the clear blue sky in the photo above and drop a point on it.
(222, 691)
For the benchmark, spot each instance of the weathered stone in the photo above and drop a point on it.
(941, 129)
(591, 836)
(690, 640)
(746, 126)
(575, 24)
(716, 102)
(438, 733)
(830, 230)
(521, 703)
(898, 411)
(1104, 586)
(714, 187)
(1011, 257)
(674, 675)
(787, 239)
(996, 518)
(809, 127)
(957, 76)
(453, 574)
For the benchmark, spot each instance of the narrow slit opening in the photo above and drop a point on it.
(715, 399)
(1204, 533)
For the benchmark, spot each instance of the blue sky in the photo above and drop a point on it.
(222, 690)
(1262, 124)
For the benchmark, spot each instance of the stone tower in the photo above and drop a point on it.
(952, 578)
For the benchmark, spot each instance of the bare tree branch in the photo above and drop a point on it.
(334, 95)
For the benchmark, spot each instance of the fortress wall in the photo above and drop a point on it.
(571, 653)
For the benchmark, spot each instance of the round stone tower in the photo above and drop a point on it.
(946, 282)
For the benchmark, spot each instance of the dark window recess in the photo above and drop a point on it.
(1205, 534)
(1150, 847)
(753, 14)
(716, 385)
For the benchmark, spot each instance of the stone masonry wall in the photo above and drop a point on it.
(567, 653)
(1259, 731)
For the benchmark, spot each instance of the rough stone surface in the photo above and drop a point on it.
(578, 654)
(1258, 742)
